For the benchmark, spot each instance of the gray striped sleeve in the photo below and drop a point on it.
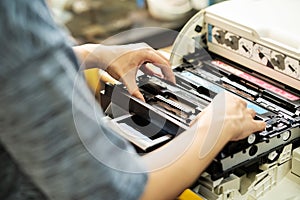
(58, 153)
(50, 124)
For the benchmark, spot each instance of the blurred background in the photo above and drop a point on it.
(93, 21)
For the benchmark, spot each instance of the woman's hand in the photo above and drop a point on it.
(230, 116)
(123, 61)
(183, 159)
(125, 67)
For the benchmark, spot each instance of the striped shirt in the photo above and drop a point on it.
(54, 143)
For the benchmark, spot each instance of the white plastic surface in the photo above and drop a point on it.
(266, 18)
(268, 29)
(274, 181)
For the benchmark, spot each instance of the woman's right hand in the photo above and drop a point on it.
(230, 115)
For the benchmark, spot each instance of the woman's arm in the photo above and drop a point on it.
(123, 61)
(177, 165)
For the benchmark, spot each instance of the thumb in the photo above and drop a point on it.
(259, 125)
(132, 87)
(138, 95)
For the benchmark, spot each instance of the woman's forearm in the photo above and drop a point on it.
(177, 165)
(190, 158)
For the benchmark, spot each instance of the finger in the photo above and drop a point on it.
(162, 56)
(159, 54)
(134, 91)
(138, 95)
(130, 83)
(163, 64)
(168, 73)
(252, 112)
(259, 125)
(243, 102)
(148, 70)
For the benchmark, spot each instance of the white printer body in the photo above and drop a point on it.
(263, 35)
